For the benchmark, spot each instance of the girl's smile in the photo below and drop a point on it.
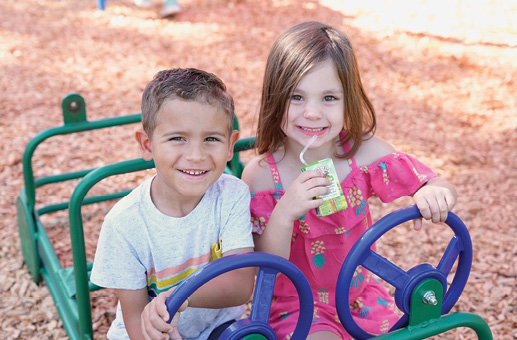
(316, 107)
(312, 131)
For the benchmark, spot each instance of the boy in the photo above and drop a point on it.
(163, 230)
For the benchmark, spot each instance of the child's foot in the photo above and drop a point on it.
(169, 10)
(143, 3)
(170, 7)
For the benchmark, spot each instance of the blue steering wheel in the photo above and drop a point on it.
(460, 247)
(256, 326)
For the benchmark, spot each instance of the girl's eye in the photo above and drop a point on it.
(296, 97)
(329, 98)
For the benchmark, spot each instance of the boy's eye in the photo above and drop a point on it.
(212, 139)
(177, 138)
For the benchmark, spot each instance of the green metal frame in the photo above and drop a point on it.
(70, 287)
(425, 319)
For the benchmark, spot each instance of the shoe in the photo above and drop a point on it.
(143, 3)
(170, 10)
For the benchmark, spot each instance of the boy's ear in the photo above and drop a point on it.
(234, 137)
(145, 144)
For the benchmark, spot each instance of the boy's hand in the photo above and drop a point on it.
(299, 197)
(434, 203)
(155, 316)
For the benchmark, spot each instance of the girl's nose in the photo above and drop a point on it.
(312, 112)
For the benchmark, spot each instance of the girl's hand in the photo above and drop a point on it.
(155, 316)
(434, 200)
(299, 196)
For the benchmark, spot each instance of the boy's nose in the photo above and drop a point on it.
(195, 152)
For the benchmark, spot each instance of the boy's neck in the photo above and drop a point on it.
(171, 205)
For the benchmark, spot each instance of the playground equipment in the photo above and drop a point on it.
(70, 287)
(256, 326)
(421, 293)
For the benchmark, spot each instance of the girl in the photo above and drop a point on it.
(312, 87)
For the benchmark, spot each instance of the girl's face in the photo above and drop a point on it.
(316, 107)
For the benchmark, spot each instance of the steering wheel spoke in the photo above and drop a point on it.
(450, 255)
(384, 268)
(264, 286)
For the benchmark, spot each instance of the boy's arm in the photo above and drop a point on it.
(133, 303)
(233, 288)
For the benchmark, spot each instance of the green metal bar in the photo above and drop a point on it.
(46, 250)
(51, 267)
(64, 305)
(39, 182)
(28, 173)
(442, 325)
(87, 200)
(77, 234)
(235, 164)
(421, 311)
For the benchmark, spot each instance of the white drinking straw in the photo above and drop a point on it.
(305, 149)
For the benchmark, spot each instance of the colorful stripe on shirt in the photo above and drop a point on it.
(163, 280)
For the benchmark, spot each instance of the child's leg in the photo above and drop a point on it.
(323, 335)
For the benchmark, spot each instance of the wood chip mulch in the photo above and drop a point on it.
(442, 76)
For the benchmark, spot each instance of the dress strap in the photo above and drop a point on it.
(346, 148)
(274, 171)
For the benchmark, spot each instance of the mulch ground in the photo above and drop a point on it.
(442, 76)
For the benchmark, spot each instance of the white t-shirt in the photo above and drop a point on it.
(141, 247)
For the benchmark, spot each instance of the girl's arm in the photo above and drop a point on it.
(434, 200)
(296, 202)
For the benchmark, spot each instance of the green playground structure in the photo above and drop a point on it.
(70, 287)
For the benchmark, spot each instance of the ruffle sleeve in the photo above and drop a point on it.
(261, 206)
(396, 175)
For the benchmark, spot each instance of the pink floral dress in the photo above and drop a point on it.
(320, 244)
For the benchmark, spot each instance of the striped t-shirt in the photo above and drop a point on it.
(141, 247)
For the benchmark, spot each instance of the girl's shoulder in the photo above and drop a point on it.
(372, 149)
(257, 174)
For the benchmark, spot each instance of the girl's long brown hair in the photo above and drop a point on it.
(294, 53)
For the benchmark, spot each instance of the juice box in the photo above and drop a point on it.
(334, 201)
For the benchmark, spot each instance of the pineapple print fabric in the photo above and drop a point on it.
(320, 244)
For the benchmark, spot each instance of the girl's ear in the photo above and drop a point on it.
(145, 144)
(233, 139)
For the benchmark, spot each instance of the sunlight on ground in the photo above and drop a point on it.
(480, 21)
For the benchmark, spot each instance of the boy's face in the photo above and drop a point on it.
(190, 147)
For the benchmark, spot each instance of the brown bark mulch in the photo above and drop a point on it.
(442, 76)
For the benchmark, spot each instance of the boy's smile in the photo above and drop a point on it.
(190, 145)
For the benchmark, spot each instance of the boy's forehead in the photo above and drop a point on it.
(192, 112)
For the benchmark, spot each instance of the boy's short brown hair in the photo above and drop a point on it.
(188, 84)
